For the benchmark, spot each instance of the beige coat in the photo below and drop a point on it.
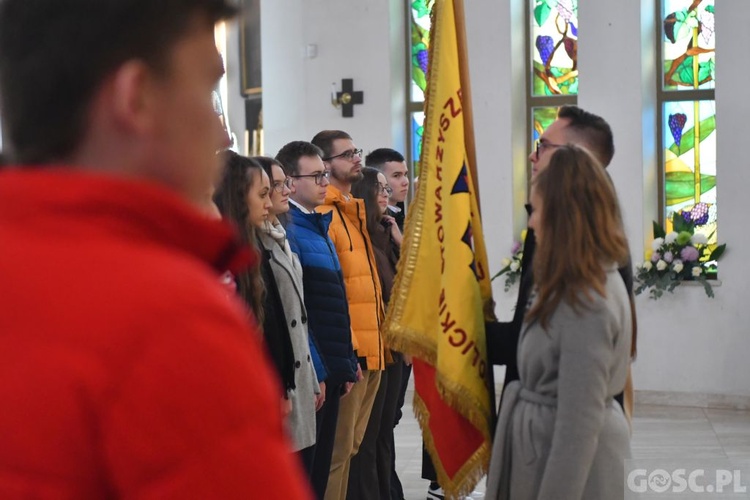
(560, 435)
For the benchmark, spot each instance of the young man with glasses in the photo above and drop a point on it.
(325, 297)
(348, 231)
(572, 126)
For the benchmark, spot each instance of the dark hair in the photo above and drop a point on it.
(324, 140)
(290, 154)
(379, 157)
(267, 164)
(581, 231)
(368, 188)
(231, 197)
(593, 130)
(55, 54)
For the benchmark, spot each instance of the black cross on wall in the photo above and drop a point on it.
(354, 97)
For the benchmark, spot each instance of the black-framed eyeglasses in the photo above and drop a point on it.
(325, 174)
(387, 190)
(540, 145)
(347, 155)
(279, 186)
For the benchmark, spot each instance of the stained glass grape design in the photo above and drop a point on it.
(676, 124)
(555, 39)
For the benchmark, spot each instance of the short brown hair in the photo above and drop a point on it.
(324, 140)
(55, 54)
(593, 130)
(290, 154)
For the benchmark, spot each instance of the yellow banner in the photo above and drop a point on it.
(442, 286)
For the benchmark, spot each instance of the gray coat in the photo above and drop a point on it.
(560, 435)
(288, 277)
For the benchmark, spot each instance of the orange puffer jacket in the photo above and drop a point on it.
(348, 230)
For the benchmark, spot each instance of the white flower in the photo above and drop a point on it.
(505, 262)
(669, 239)
(661, 265)
(697, 271)
(698, 239)
(658, 242)
(514, 266)
(647, 265)
(677, 265)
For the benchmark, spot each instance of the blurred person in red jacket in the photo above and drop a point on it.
(124, 370)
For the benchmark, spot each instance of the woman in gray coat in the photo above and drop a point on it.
(285, 313)
(560, 435)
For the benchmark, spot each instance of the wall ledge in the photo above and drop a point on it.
(692, 399)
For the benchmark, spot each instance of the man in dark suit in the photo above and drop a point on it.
(572, 126)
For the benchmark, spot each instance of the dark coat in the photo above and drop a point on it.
(325, 295)
(386, 258)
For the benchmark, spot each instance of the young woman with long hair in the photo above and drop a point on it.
(243, 200)
(560, 434)
(286, 316)
(371, 467)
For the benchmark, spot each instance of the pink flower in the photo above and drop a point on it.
(516, 247)
(655, 257)
(689, 254)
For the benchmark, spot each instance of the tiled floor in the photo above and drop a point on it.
(659, 432)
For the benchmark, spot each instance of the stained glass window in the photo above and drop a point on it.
(690, 163)
(543, 117)
(420, 42)
(419, 35)
(417, 131)
(554, 34)
(688, 44)
(687, 114)
(552, 67)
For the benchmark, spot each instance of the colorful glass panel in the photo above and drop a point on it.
(689, 142)
(417, 131)
(554, 40)
(420, 41)
(689, 44)
(543, 117)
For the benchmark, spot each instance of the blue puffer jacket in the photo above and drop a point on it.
(325, 295)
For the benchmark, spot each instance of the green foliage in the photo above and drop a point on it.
(542, 12)
(687, 143)
(658, 231)
(680, 186)
(717, 252)
(512, 265)
(684, 72)
(421, 7)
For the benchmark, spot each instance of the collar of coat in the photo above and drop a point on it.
(353, 208)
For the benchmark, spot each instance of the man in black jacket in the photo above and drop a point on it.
(572, 126)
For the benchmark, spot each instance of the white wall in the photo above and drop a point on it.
(687, 342)
(353, 39)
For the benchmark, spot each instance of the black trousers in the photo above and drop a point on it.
(397, 490)
(370, 472)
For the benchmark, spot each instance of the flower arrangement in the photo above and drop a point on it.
(681, 255)
(512, 265)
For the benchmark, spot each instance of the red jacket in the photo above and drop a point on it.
(125, 372)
